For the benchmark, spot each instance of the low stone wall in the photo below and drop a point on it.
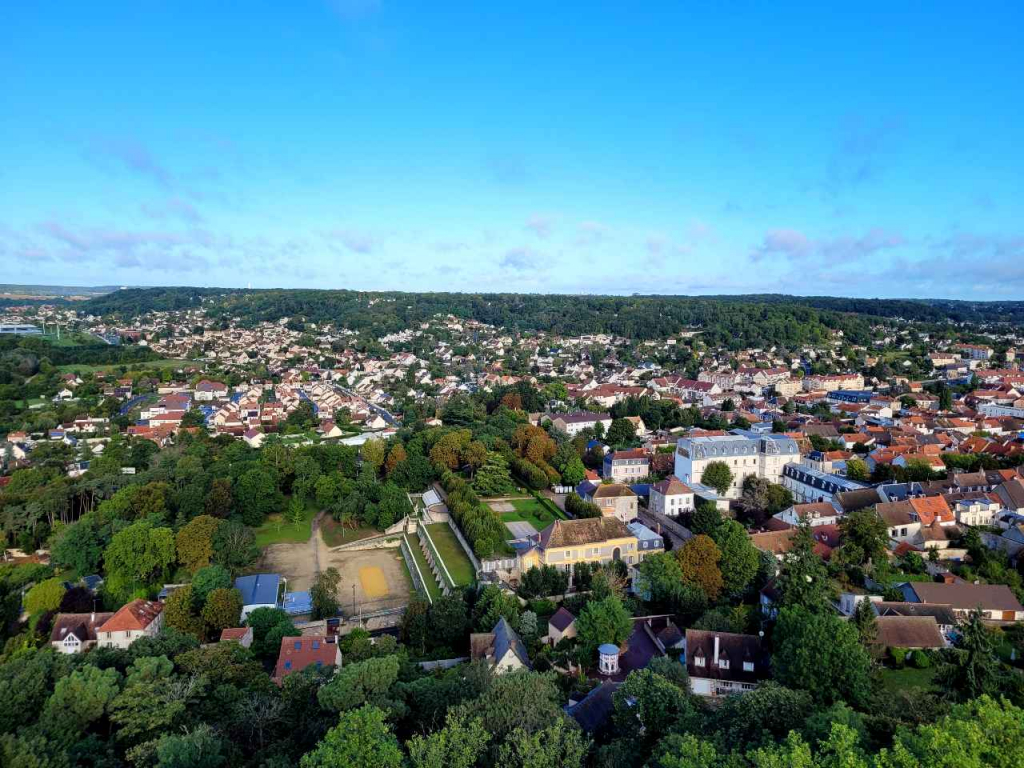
(384, 541)
(442, 663)
(414, 570)
(444, 579)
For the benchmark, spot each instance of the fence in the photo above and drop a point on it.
(414, 570)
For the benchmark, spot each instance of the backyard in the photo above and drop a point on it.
(908, 678)
(452, 554)
(534, 512)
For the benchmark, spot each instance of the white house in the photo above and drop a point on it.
(76, 632)
(745, 453)
(672, 497)
(502, 649)
(722, 663)
(139, 618)
(817, 513)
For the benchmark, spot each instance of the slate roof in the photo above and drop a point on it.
(561, 619)
(943, 614)
(493, 646)
(81, 625)
(593, 711)
(736, 648)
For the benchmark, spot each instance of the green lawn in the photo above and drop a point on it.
(452, 554)
(421, 560)
(277, 529)
(908, 678)
(334, 535)
(534, 512)
(115, 367)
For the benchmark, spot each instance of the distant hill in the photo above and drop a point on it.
(729, 320)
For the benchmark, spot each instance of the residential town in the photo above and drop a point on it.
(603, 521)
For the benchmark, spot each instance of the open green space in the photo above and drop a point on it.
(452, 554)
(116, 367)
(278, 529)
(421, 560)
(537, 513)
(335, 534)
(908, 678)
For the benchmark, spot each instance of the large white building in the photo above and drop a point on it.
(745, 453)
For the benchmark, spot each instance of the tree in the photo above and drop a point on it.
(820, 653)
(44, 596)
(803, 578)
(324, 594)
(559, 745)
(79, 546)
(493, 604)
(573, 472)
(459, 744)
(857, 469)
(866, 532)
(257, 495)
(206, 581)
(219, 501)
(393, 505)
(195, 542)
(493, 478)
(397, 455)
(362, 683)
(706, 518)
(361, 739)
(717, 475)
(520, 699)
(621, 433)
(81, 698)
(180, 614)
(234, 546)
(138, 556)
(740, 559)
(945, 399)
(970, 669)
(647, 705)
(865, 622)
(603, 621)
(200, 747)
(698, 563)
(222, 609)
(374, 453)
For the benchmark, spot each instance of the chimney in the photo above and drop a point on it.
(716, 651)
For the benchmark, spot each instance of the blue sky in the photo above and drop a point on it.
(814, 148)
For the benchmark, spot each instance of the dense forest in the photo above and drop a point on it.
(729, 320)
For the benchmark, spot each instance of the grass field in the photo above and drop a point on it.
(907, 678)
(334, 535)
(277, 529)
(534, 512)
(428, 577)
(448, 547)
(116, 367)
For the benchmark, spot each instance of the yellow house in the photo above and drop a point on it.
(590, 540)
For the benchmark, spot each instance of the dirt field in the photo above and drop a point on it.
(378, 575)
(296, 562)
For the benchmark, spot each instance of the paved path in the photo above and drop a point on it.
(669, 528)
(521, 529)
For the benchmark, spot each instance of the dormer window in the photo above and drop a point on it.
(748, 666)
(723, 663)
(698, 660)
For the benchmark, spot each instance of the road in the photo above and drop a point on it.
(668, 528)
(383, 412)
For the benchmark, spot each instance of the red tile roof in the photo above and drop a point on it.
(136, 615)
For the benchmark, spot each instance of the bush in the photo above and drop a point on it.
(898, 655)
(577, 507)
(920, 659)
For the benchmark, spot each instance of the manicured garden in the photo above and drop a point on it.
(539, 514)
(908, 678)
(452, 554)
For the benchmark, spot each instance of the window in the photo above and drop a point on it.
(287, 665)
(698, 661)
(723, 663)
(748, 666)
(316, 645)
(298, 645)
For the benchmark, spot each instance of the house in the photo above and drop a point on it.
(207, 391)
(593, 710)
(996, 601)
(745, 453)
(818, 513)
(943, 615)
(976, 511)
(261, 590)
(911, 632)
(254, 438)
(648, 542)
(139, 618)
(809, 485)
(626, 466)
(615, 500)
(723, 663)
(588, 540)
(672, 497)
(574, 423)
(561, 625)
(76, 632)
(502, 648)
(240, 635)
(298, 653)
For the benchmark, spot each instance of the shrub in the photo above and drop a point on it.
(898, 655)
(920, 659)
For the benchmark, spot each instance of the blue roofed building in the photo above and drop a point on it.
(261, 590)
(298, 603)
(648, 542)
(502, 649)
